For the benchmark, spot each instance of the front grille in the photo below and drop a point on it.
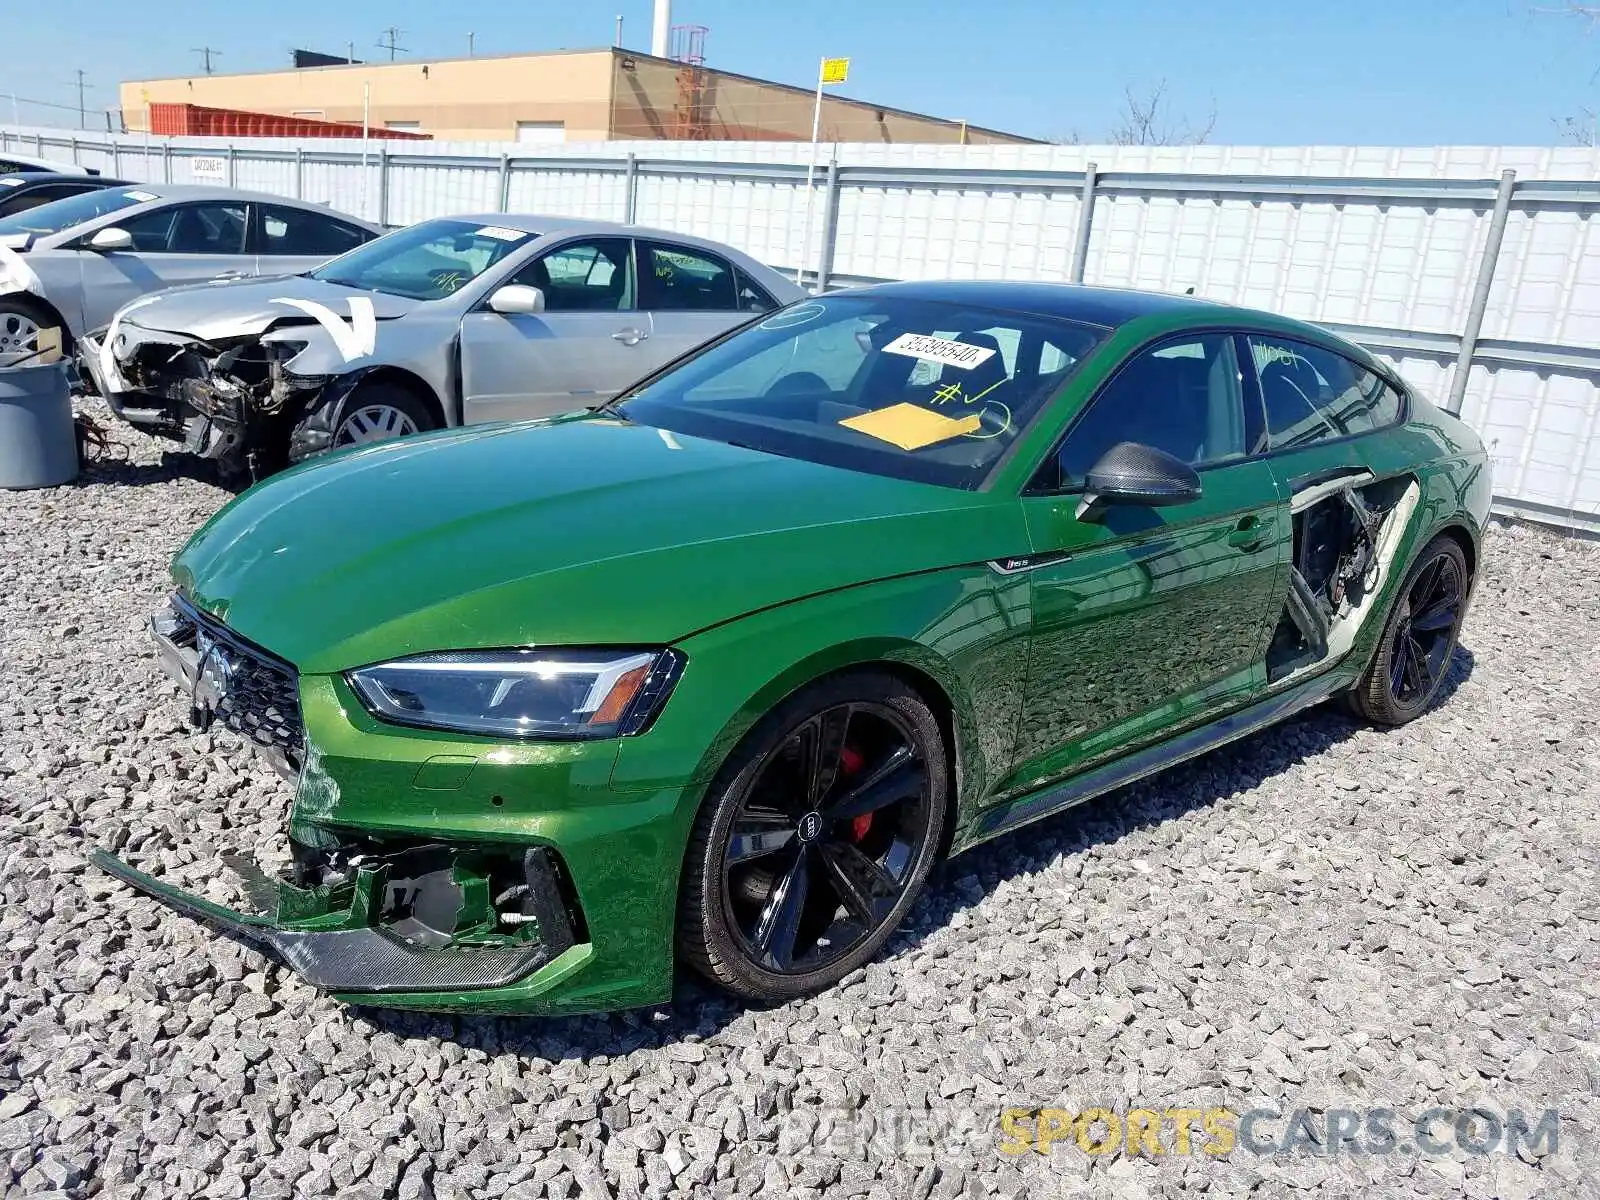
(261, 700)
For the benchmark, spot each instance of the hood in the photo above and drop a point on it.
(578, 531)
(213, 311)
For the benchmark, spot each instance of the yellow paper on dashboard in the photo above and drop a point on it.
(910, 427)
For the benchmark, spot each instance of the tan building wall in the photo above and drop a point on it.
(594, 95)
(467, 99)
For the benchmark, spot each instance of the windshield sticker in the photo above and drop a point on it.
(909, 427)
(936, 349)
(139, 197)
(12, 182)
(800, 314)
(501, 233)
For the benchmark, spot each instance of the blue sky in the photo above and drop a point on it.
(1373, 72)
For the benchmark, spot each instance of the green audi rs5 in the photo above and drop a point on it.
(719, 670)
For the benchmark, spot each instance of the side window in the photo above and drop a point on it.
(189, 229)
(39, 196)
(753, 298)
(591, 276)
(1184, 397)
(1311, 394)
(677, 279)
(295, 231)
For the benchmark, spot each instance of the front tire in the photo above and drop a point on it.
(379, 413)
(1419, 638)
(815, 838)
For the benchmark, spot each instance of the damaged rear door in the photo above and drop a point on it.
(1328, 422)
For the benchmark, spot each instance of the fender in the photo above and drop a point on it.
(313, 433)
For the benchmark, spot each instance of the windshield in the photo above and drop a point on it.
(74, 210)
(424, 262)
(916, 389)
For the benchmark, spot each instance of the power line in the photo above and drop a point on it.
(205, 53)
(393, 44)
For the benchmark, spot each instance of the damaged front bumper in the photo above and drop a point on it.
(369, 935)
(221, 400)
(428, 871)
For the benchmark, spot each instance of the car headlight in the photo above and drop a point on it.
(538, 694)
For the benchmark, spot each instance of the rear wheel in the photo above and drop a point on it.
(1413, 657)
(816, 838)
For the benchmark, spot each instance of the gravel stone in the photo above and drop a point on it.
(1320, 917)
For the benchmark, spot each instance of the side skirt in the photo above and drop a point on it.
(1132, 767)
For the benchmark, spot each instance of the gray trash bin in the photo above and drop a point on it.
(38, 445)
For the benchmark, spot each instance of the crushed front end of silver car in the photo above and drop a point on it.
(236, 400)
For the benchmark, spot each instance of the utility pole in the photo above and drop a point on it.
(393, 45)
(472, 44)
(205, 53)
(83, 111)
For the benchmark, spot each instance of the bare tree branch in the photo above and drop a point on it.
(1579, 130)
(1145, 122)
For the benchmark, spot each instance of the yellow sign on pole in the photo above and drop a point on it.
(835, 70)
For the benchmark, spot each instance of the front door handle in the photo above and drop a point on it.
(1250, 533)
(630, 337)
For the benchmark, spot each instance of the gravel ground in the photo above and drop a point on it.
(1320, 918)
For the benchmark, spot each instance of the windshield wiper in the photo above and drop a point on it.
(611, 408)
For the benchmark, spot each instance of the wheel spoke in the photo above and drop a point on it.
(1416, 664)
(1397, 666)
(758, 834)
(866, 890)
(778, 927)
(821, 742)
(1439, 615)
(1422, 591)
(898, 777)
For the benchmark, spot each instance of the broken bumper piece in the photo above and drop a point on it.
(371, 936)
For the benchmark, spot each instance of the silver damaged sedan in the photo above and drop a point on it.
(454, 320)
(72, 263)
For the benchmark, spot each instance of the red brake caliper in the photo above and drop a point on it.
(850, 761)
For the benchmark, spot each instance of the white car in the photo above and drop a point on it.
(14, 164)
(74, 262)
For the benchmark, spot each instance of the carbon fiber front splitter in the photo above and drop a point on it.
(351, 960)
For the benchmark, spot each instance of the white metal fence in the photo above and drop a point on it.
(1470, 268)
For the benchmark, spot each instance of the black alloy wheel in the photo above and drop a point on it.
(1422, 640)
(1414, 656)
(805, 862)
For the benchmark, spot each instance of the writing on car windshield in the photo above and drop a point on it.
(429, 261)
(918, 389)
